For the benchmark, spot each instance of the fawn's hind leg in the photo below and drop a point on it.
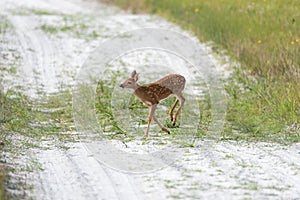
(172, 109)
(182, 100)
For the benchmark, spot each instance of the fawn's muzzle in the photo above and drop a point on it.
(121, 85)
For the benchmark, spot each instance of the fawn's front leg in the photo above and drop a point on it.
(160, 125)
(151, 113)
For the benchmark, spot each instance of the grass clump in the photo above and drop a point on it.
(103, 105)
(14, 113)
(257, 111)
(13, 116)
(73, 25)
(2, 179)
(19, 115)
(24, 124)
(263, 36)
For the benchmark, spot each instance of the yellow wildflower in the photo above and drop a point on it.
(292, 42)
(297, 40)
(259, 41)
(196, 10)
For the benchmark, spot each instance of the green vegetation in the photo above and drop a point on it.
(14, 113)
(75, 25)
(24, 125)
(103, 105)
(2, 179)
(263, 36)
(27, 11)
(18, 115)
(4, 25)
(13, 116)
(69, 24)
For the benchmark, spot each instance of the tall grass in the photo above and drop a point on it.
(264, 36)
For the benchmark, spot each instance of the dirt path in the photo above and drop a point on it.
(50, 60)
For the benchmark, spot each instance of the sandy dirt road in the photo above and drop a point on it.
(50, 59)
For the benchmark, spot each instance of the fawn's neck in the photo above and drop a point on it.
(136, 87)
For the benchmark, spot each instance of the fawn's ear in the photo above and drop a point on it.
(133, 73)
(135, 76)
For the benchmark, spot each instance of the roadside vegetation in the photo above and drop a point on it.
(39, 121)
(13, 116)
(264, 38)
(23, 125)
(2, 177)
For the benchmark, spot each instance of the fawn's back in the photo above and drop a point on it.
(161, 89)
(173, 82)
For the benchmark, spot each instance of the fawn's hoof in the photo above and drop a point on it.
(174, 123)
(144, 137)
(166, 130)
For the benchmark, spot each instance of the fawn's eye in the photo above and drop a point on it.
(129, 82)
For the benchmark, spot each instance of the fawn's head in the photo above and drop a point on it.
(131, 82)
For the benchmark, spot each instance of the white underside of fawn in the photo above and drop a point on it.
(153, 93)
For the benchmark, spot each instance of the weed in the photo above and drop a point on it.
(49, 29)
(18, 114)
(28, 11)
(4, 25)
(73, 25)
(14, 112)
(103, 105)
(42, 12)
(2, 180)
(24, 123)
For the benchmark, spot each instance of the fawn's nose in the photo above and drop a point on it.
(121, 85)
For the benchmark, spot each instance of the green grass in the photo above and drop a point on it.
(29, 123)
(261, 112)
(2, 179)
(28, 11)
(73, 25)
(20, 115)
(4, 25)
(264, 37)
(13, 115)
(104, 110)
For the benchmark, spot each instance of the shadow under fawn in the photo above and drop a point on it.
(151, 94)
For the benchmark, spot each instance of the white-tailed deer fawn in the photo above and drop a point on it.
(156, 91)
